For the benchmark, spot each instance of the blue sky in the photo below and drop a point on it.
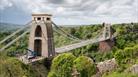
(70, 12)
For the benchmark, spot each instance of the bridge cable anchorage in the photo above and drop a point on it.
(19, 30)
(9, 44)
(69, 35)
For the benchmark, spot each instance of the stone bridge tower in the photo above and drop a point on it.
(41, 36)
(107, 45)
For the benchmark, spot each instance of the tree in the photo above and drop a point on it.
(119, 56)
(62, 65)
(85, 66)
(135, 52)
(11, 67)
(127, 56)
(120, 42)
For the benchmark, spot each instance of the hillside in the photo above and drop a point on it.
(8, 27)
(83, 59)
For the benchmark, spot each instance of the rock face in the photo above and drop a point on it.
(107, 66)
(106, 45)
(133, 69)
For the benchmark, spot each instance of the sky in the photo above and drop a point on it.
(70, 12)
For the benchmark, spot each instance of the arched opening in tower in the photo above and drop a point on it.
(38, 31)
(38, 47)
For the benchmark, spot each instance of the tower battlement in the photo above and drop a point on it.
(41, 17)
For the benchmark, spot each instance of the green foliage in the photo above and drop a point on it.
(89, 49)
(85, 66)
(135, 50)
(11, 67)
(52, 74)
(128, 52)
(99, 56)
(127, 56)
(125, 36)
(119, 56)
(62, 65)
(120, 43)
(126, 40)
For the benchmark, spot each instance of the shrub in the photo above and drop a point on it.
(129, 52)
(11, 67)
(135, 52)
(52, 74)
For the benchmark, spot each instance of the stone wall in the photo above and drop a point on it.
(106, 45)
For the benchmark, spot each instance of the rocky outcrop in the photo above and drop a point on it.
(107, 66)
(133, 69)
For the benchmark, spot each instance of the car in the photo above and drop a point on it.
(30, 57)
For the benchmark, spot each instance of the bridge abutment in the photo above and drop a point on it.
(106, 45)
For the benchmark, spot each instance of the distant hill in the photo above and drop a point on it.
(8, 27)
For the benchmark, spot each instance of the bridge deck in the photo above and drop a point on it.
(77, 45)
(63, 49)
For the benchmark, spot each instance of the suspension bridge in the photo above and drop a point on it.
(41, 38)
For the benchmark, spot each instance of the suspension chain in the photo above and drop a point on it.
(16, 39)
(69, 35)
(19, 30)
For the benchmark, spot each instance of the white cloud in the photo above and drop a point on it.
(99, 10)
(74, 1)
(4, 4)
(60, 9)
(102, 9)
